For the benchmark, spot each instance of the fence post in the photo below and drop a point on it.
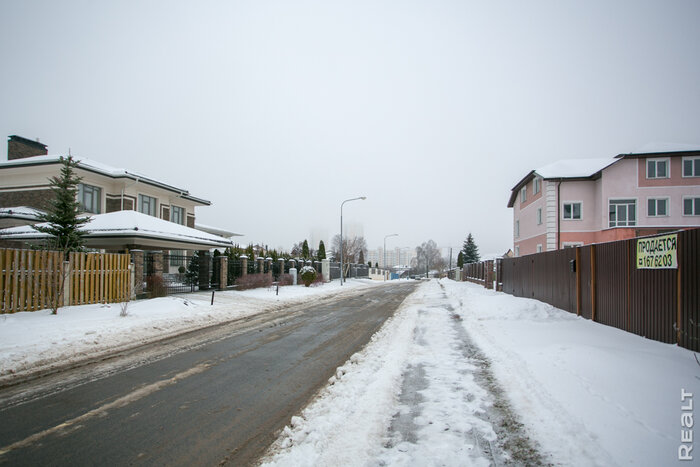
(244, 265)
(204, 269)
(679, 298)
(593, 283)
(137, 272)
(66, 271)
(489, 273)
(223, 272)
(281, 264)
(261, 265)
(326, 269)
(269, 267)
(577, 262)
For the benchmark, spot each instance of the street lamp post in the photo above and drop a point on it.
(341, 233)
(385, 237)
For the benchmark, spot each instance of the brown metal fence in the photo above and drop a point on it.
(602, 282)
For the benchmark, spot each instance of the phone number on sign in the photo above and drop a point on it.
(657, 261)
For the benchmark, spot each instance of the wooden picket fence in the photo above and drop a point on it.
(31, 280)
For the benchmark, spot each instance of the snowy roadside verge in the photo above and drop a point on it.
(584, 393)
(37, 342)
(589, 394)
(410, 397)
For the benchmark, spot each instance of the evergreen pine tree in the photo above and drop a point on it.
(250, 252)
(192, 273)
(305, 250)
(362, 257)
(321, 251)
(62, 214)
(470, 250)
(460, 260)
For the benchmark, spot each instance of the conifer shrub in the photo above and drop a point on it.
(308, 275)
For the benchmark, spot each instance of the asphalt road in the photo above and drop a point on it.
(214, 397)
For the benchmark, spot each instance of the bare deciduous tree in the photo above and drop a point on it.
(352, 247)
(427, 258)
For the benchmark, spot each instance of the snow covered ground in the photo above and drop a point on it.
(33, 341)
(421, 393)
(459, 376)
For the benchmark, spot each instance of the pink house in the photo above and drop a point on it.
(581, 201)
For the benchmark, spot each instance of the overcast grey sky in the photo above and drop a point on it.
(278, 111)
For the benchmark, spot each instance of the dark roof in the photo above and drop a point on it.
(27, 141)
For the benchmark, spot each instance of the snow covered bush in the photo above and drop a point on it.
(308, 275)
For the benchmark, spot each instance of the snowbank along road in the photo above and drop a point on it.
(421, 393)
(215, 396)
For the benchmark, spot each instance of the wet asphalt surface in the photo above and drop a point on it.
(214, 397)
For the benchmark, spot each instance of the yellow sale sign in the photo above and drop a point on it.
(658, 252)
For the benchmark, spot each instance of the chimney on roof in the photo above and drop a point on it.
(21, 148)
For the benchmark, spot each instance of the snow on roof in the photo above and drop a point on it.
(651, 148)
(130, 223)
(216, 230)
(22, 212)
(104, 169)
(574, 168)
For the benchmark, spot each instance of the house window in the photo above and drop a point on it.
(147, 205)
(517, 229)
(623, 212)
(89, 198)
(177, 258)
(536, 185)
(691, 166)
(517, 251)
(523, 194)
(539, 216)
(657, 207)
(177, 215)
(691, 206)
(539, 248)
(657, 168)
(572, 211)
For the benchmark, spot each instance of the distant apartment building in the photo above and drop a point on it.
(399, 256)
(582, 201)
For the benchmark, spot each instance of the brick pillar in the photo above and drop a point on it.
(261, 265)
(223, 272)
(489, 274)
(281, 262)
(158, 263)
(268, 261)
(244, 265)
(204, 268)
(137, 260)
